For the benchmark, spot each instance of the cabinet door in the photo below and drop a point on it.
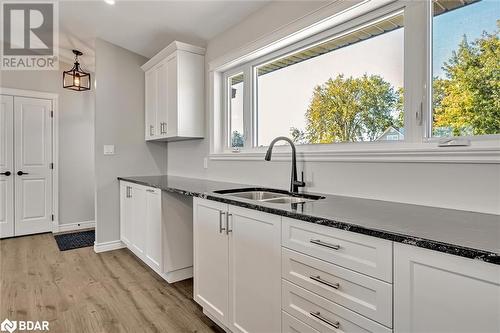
(211, 258)
(151, 103)
(172, 103)
(125, 213)
(138, 223)
(163, 88)
(254, 271)
(437, 292)
(153, 228)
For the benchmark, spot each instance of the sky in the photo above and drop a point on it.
(284, 95)
(449, 28)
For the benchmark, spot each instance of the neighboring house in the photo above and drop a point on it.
(392, 134)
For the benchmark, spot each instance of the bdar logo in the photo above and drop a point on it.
(8, 325)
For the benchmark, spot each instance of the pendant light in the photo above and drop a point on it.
(76, 78)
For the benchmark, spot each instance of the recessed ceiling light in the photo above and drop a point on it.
(110, 2)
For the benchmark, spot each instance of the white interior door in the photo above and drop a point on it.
(33, 175)
(6, 166)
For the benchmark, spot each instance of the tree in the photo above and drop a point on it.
(352, 109)
(467, 100)
(237, 139)
(298, 136)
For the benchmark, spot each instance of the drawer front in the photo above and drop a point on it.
(363, 294)
(324, 315)
(368, 255)
(290, 324)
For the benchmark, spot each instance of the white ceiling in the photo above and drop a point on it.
(144, 27)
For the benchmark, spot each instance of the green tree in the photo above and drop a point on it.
(352, 109)
(237, 139)
(467, 100)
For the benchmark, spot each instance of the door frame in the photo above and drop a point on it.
(55, 141)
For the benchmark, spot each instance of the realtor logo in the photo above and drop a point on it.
(24, 325)
(29, 35)
(8, 325)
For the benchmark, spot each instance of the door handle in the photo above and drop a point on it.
(6, 173)
(20, 173)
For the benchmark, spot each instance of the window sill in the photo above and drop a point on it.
(486, 152)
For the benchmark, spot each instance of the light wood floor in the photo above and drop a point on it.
(81, 291)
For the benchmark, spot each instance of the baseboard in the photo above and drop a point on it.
(108, 246)
(73, 226)
(178, 275)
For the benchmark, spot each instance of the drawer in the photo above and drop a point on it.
(290, 324)
(360, 293)
(322, 314)
(368, 255)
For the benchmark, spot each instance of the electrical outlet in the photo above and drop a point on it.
(109, 149)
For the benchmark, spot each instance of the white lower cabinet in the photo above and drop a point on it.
(162, 240)
(437, 292)
(237, 256)
(258, 272)
(211, 259)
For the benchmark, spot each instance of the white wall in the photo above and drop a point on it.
(119, 121)
(474, 187)
(76, 140)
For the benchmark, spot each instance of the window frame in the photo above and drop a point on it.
(418, 17)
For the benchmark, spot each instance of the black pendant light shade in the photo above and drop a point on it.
(76, 78)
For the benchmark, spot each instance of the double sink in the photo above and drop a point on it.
(270, 195)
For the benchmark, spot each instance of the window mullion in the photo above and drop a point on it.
(415, 70)
(247, 106)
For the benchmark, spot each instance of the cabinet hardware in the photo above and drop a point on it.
(162, 128)
(325, 244)
(151, 130)
(227, 223)
(129, 192)
(6, 173)
(20, 173)
(318, 278)
(149, 190)
(221, 229)
(318, 316)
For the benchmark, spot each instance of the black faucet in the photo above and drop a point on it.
(294, 182)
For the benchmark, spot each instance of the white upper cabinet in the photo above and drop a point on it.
(174, 93)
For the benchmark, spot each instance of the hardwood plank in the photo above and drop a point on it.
(81, 291)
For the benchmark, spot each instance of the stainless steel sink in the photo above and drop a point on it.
(270, 195)
(257, 195)
(289, 200)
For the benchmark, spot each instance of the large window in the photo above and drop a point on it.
(466, 68)
(346, 89)
(405, 72)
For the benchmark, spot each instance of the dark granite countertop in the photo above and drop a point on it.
(467, 234)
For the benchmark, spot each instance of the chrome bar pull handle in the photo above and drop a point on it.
(318, 316)
(221, 228)
(318, 278)
(151, 130)
(227, 223)
(325, 244)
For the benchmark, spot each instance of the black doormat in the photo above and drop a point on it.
(75, 240)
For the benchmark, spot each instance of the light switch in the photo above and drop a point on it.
(109, 149)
